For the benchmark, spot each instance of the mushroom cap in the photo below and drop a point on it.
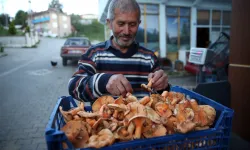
(85, 114)
(76, 132)
(103, 138)
(101, 101)
(155, 130)
(163, 109)
(156, 98)
(152, 115)
(138, 117)
(144, 100)
(123, 134)
(119, 100)
(210, 112)
(66, 115)
(119, 107)
(130, 98)
(135, 109)
(189, 113)
(185, 126)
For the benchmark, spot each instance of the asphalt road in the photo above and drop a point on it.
(30, 87)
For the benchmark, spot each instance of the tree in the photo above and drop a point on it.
(12, 28)
(4, 18)
(21, 18)
(55, 4)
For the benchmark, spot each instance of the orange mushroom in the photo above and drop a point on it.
(66, 115)
(163, 109)
(154, 130)
(104, 138)
(76, 133)
(138, 121)
(119, 110)
(152, 115)
(101, 101)
(130, 98)
(144, 100)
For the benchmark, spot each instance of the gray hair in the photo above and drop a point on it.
(123, 6)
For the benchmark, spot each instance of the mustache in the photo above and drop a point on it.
(126, 35)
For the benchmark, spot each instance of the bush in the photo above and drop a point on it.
(27, 29)
(12, 28)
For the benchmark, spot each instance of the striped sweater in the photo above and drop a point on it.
(101, 61)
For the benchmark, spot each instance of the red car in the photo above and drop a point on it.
(73, 48)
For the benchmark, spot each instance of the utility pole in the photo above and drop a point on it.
(30, 11)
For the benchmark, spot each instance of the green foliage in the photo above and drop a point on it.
(12, 29)
(20, 18)
(56, 5)
(3, 18)
(27, 29)
(3, 32)
(94, 31)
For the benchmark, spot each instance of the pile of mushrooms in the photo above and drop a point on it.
(123, 119)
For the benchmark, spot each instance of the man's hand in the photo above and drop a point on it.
(118, 85)
(159, 80)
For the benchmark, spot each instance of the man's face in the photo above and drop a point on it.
(124, 27)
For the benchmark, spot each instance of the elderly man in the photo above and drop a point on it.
(120, 65)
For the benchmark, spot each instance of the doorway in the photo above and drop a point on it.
(202, 37)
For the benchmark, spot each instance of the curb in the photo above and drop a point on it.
(3, 54)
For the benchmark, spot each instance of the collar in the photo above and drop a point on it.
(110, 45)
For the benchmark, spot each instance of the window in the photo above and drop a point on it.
(54, 16)
(178, 28)
(203, 17)
(216, 19)
(54, 25)
(64, 18)
(148, 32)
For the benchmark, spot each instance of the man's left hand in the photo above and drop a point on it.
(159, 80)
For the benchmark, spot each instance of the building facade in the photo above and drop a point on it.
(170, 26)
(51, 23)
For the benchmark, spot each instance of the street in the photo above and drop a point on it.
(30, 88)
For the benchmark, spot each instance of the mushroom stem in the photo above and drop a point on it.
(138, 121)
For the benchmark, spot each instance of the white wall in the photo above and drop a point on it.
(193, 24)
(162, 19)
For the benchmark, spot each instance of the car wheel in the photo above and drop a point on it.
(64, 62)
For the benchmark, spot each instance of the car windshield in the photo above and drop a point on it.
(77, 42)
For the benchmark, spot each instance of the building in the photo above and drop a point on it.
(174, 25)
(51, 23)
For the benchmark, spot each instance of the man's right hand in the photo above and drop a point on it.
(118, 85)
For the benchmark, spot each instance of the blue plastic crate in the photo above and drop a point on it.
(216, 137)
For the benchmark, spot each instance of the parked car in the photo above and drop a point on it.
(73, 48)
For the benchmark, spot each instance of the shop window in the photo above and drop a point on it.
(172, 34)
(203, 17)
(216, 19)
(178, 28)
(148, 32)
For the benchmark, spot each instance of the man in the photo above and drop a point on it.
(120, 65)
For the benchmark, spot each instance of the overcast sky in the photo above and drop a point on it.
(69, 6)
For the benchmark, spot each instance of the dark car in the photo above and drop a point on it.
(73, 48)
